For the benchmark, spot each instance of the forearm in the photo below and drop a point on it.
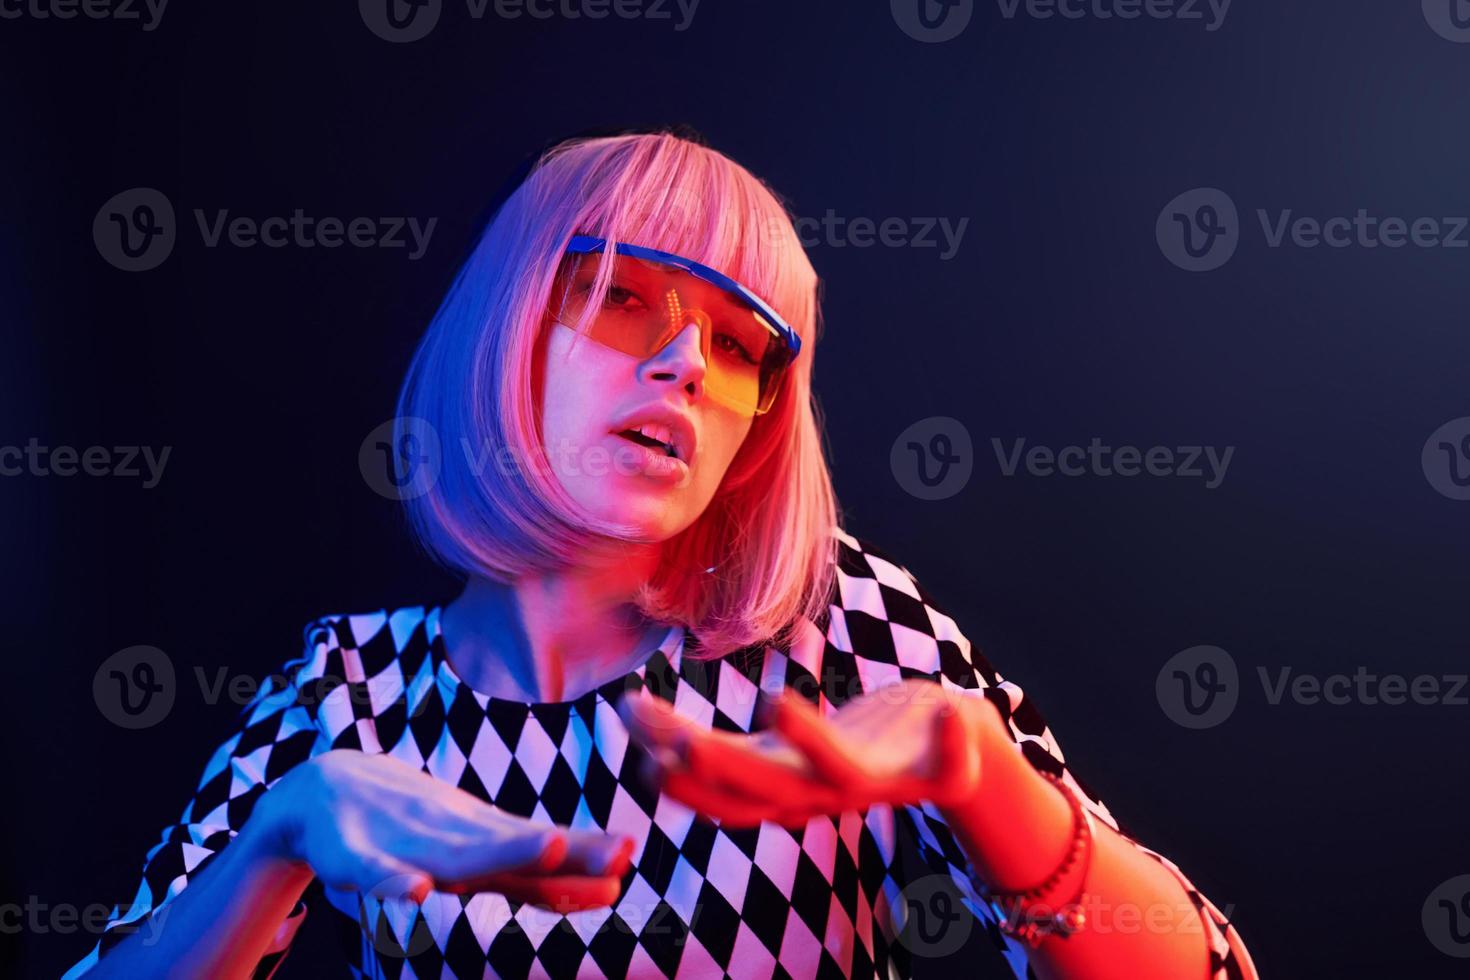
(224, 922)
(1141, 922)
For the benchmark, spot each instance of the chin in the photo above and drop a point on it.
(645, 521)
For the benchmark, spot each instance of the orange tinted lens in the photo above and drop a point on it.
(627, 320)
(648, 304)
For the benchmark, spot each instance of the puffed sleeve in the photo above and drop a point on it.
(277, 734)
(898, 631)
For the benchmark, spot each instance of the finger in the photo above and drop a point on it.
(563, 893)
(516, 846)
(660, 728)
(564, 851)
(596, 853)
(550, 856)
(794, 819)
(670, 740)
(470, 822)
(653, 722)
(803, 726)
(730, 765)
(725, 757)
(573, 894)
(712, 802)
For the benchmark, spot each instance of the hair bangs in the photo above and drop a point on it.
(680, 197)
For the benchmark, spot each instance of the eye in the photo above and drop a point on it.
(620, 297)
(730, 345)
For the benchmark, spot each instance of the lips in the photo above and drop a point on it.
(661, 428)
(653, 436)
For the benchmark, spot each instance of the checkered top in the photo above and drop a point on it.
(830, 899)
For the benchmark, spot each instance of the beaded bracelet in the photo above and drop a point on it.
(1032, 927)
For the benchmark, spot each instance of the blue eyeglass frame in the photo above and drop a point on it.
(589, 245)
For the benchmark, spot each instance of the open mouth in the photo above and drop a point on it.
(633, 435)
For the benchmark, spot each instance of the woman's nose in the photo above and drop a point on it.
(682, 359)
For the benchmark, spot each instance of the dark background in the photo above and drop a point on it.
(1325, 548)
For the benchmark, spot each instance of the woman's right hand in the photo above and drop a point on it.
(372, 823)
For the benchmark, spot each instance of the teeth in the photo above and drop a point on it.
(660, 432)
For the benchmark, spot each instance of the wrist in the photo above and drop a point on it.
(1053, 905)
(272, 833)
(1016, 827)
(985, 724)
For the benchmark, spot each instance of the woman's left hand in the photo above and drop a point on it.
(898, 745)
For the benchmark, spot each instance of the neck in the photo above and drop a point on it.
(552, 636)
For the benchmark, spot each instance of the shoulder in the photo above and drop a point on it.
(880, 612)
(371, 639)
(358, 658)
(893, 628)
(861, 558)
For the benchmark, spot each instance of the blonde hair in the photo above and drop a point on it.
(768, 531)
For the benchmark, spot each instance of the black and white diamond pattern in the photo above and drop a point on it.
(700, 900)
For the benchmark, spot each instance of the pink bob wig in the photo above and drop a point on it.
(761, 555)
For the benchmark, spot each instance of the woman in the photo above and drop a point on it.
(678, 723)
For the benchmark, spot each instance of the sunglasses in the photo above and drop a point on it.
(655, 295)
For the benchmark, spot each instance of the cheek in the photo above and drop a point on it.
(573, 381)
(726, 434)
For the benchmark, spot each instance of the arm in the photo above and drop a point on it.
(277, 734)
(279, 805)
(372, 824)
(230, 918)
(973, 773)
(979, 804)
(1142, 921)
(1146, 918)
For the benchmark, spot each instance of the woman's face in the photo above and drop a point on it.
(592, 398)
